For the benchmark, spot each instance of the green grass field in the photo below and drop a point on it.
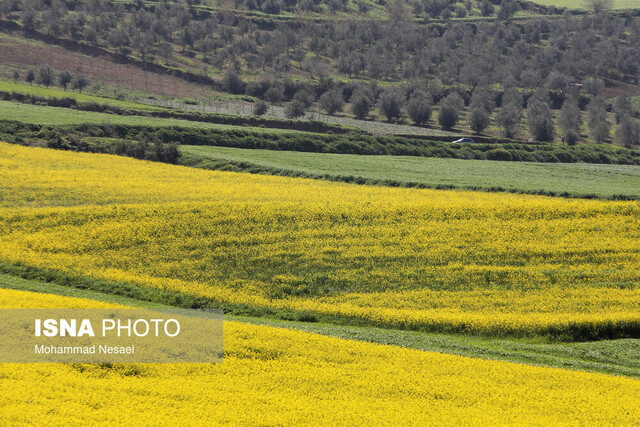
(581, 4)
(574, 178)
(53, 92)
(36, 114)
(618, 357)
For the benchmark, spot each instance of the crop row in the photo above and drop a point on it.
(277, 376)
(496, 264)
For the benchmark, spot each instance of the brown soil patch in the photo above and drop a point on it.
(20, 53)
(616, 88)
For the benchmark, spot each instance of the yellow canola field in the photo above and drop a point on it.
(438, 260)
(275, 376)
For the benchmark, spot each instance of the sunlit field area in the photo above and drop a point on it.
(582, 4)
(376, 212)
(320, 380)
(496, 264)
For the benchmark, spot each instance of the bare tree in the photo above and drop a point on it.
(361, 104)
(509, 117)
(399, 12)
(627, 133)
(294, 109)
(598, 124)
(622, 107)
(260, 108)
(331, 102)
(79, 82)
(165, 50)
(46, 75)
(391, 102)
(599, 6)
(449, 110)
(570, 120)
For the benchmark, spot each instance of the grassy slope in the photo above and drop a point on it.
(618, 357)
(580, 4)
(574, 178)
(53, 92)
(129, 81)
(106, 77)
(37, 114)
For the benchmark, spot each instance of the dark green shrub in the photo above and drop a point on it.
(499, 154)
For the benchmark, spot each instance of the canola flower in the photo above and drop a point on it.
(274, 376)
(499, 264)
